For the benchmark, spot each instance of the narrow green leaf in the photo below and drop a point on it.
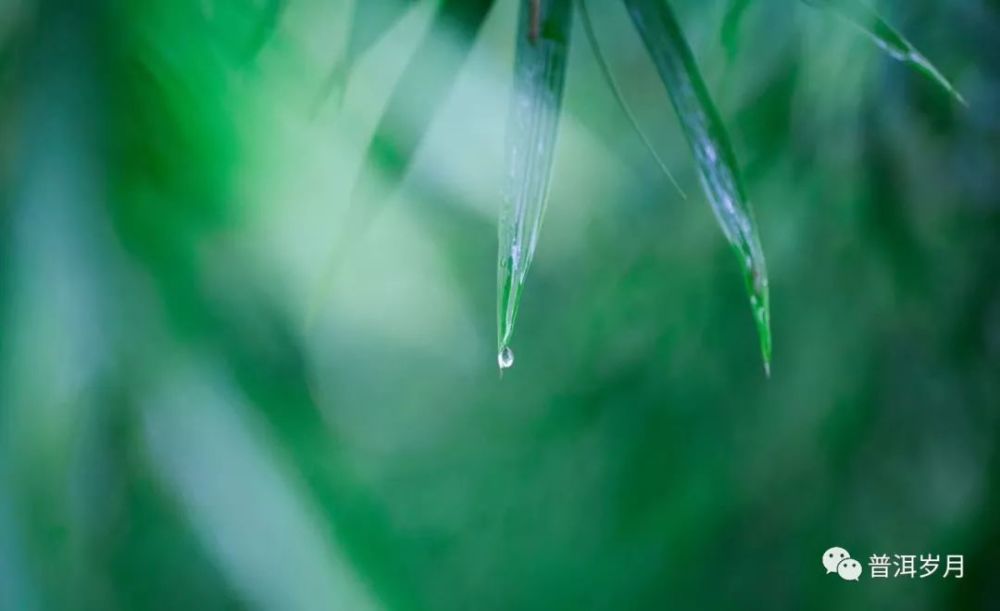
(865, 19)
(422, 89)
(616, 90)
(709, 142)
(542, 45)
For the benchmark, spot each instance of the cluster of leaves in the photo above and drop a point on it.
(165, 443)
(542, 47)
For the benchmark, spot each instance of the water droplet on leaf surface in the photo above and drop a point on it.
(505, 359)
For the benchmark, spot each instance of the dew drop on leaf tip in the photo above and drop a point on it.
(505, 359)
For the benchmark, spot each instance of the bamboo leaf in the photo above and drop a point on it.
(709, 142)
(868, 21)
(543, 38)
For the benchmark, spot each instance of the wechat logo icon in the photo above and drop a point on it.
(838, 560)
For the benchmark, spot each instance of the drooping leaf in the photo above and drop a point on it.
(616, 90)
(709, 142)
(543, 37)
(868, 21)
(413, 104)
(370, 21)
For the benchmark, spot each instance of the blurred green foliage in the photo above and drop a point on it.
(174, 435)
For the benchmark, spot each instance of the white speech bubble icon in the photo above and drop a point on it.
(849, 569)
(832, 557)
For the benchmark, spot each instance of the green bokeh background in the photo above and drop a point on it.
(190, 420)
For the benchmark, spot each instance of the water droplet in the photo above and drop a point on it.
(506, 358)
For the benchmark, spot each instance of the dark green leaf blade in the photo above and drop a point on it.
(543, 37)
(709, 142)
(868, 21)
